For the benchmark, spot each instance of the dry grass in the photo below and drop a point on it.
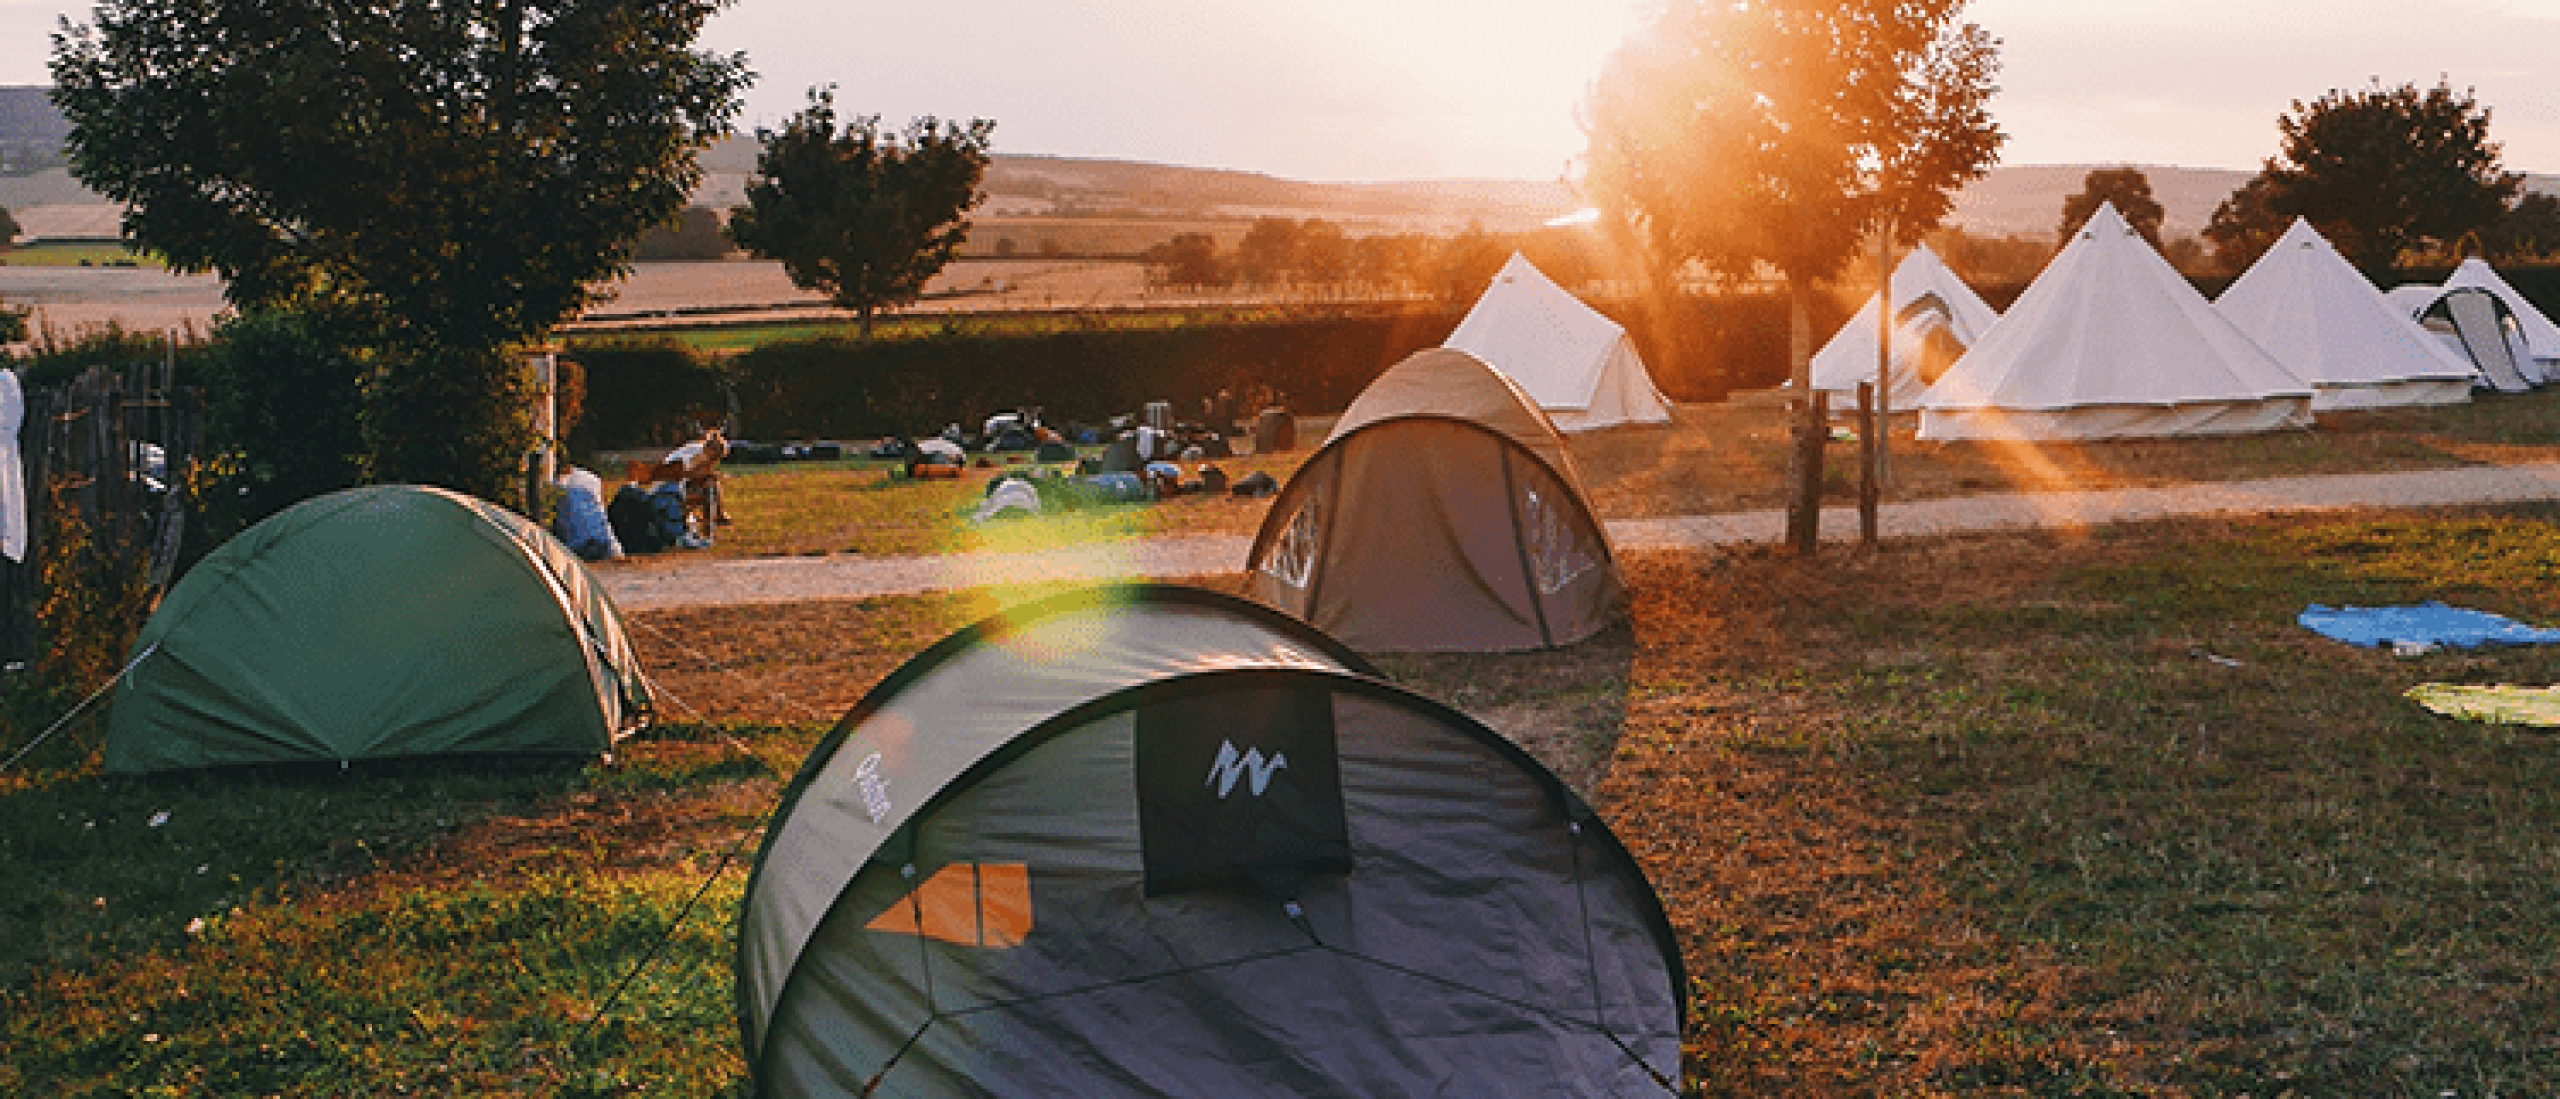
(1716, 458)
(2065, 812)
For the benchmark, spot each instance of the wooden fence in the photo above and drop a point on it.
(117, 444)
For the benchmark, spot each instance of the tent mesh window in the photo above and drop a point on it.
(1559, 554)
(1292, 560)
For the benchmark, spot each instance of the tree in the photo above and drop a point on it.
(1742, 132)
(1268, 252)
(465, 173)
(2128, 188)
(9, 230)
(2530, 230)
(2246, 224)
(2380, 172)
(1189, 259)
(862, 216)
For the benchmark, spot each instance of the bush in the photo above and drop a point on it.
(640, 393)
(284, 417)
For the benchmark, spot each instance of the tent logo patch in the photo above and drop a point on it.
(1230, 766)
(1238, 786)
(874, 786)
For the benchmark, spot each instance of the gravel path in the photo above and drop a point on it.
(792, 579)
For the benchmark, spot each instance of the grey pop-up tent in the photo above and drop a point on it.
(378, 622)
(1156, 840)
(1444, 513)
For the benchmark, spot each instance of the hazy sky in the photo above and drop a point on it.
(1418, 89)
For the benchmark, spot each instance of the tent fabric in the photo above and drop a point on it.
(13, 478)
(1574, 362)
(378, 622)
(2541, 336)
(1928, 299)
(2499, 704)
(2306, 305)
(2429, 624)
(2474, 324)
(2111, 342)
(1443, 514)
(955, 896)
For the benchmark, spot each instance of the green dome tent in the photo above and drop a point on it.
(386, 621)
(1157, 840)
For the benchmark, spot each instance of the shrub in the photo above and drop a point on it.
(284, 417)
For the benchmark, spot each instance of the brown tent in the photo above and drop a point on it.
(1443, 514)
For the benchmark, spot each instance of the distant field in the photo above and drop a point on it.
(76, 255)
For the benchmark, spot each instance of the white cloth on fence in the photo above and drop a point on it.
(13, 478)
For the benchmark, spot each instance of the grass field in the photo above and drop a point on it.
(1716, 458)
(2078, 812)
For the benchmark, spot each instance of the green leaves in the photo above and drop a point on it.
(466, 171)
(862, 215)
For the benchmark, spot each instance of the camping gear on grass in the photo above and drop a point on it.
(1156, 840)
(1275, 431)
(1443, 514)
(2500, 704)
(647, 518)
(2423, 626)
(378, 622)
(581, 524)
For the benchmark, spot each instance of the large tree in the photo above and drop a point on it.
(2128, 188)
(2379, 172)
(861, 215)
(1783, 132)
(465, 172)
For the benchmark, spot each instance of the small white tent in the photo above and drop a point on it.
(1577, 364)
(1932, 309)
(2110, 342)
(2475, 325)
(2318, 315)
(2541, 337)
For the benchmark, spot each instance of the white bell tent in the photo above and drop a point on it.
(2110, 342)
(2318, 315)
(1576, 363)
(1936, 317)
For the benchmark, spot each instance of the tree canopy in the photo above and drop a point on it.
(2128, 188)
(1741, 132)
(2378, 172)
(862, 215)
(464, 174)
(472, 168)
(1782, 131)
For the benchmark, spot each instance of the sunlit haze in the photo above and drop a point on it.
(1425, 89)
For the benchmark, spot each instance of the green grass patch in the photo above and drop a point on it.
(863, 506)
(2244, 861)
(78, 255)
(440, 928)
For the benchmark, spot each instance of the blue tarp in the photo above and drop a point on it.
(2424, 625)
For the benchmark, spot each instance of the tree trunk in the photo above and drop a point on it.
(1804, 493)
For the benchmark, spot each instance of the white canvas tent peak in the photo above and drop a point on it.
(2318, 315)
(2111, 342)
(1574, 362)
(1928, 298)
(2541, 337)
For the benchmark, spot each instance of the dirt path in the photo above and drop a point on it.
(794, 579)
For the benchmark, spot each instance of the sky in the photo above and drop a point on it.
(1373, 90)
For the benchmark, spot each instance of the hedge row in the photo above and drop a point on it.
(646, 393)
(642, 394)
